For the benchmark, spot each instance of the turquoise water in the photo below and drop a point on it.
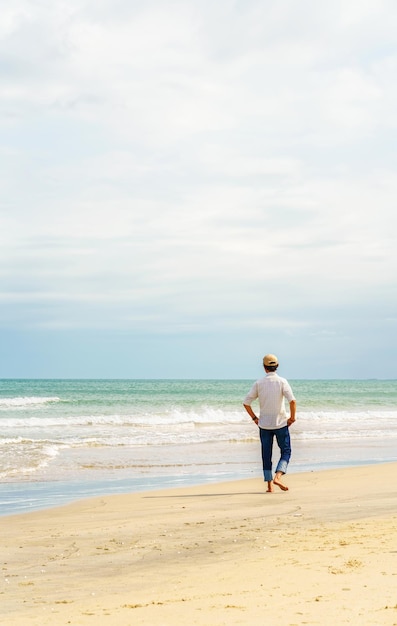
(346, 394)
(64, 439)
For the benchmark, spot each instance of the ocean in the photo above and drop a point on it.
(62, 440)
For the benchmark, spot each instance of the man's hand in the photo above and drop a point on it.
(292, 410)
(251, 413)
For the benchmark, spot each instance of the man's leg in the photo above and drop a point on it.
(284, 443)
(267, 448)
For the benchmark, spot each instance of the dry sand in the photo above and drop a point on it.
(325, 552)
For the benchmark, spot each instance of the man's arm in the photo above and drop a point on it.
(251, 413)
(292, 410)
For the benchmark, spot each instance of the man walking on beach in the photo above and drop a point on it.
(272, 421)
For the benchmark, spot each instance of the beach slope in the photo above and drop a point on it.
(325, 552)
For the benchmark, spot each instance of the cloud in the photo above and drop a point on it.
(195, 165)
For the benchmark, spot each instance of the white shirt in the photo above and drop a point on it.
(271, 391)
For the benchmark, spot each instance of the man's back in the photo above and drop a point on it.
(271, 391)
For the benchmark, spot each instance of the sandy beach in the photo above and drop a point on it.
(325, 552)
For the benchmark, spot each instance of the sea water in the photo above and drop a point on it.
(66, 439)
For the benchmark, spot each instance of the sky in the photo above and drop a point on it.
(188, 185)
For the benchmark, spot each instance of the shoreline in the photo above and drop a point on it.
(220, 553)
(79, 474)
(46, 495)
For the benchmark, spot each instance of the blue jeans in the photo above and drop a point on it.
(283, 442)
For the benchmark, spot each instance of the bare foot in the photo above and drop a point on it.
(269, 487)
(280, 484)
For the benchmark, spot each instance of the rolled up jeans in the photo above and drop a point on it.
(283, 442)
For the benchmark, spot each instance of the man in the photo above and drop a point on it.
(272, 421)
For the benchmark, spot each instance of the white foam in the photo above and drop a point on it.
(22, 402)
(22, 457)
(172, 418)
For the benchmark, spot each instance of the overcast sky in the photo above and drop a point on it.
(188, 185)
